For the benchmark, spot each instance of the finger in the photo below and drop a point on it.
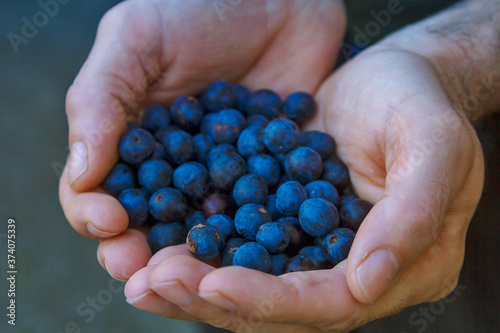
(304, 68)
(167, 253)
(177, 278)
(142, 297)
(93, 214)
(111, 84)
(123, 255)
(421, 184)
(317, 298)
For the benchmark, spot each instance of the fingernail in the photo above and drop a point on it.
(376, 273)
(99, 233)
(219, 300)
(138, 298)
(77, 162)
(177, 293)
(111, 273)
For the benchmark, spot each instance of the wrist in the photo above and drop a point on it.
(462, 44)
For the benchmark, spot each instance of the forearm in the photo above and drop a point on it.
(463, 45)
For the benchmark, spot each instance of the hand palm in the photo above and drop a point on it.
(376, 110)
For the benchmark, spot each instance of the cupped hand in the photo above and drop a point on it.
(152, 51)
(410, 153)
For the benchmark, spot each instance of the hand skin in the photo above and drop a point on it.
(149, 52)
(409, 149)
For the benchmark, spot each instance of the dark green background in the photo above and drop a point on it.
(58, 269)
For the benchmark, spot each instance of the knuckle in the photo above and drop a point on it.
(426, 221)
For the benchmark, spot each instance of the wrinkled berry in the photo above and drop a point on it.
(203, 242)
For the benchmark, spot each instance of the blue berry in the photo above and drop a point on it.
(155, 174)
(218, 151)
(300, 263)
(225, 126)
(318, 217)
(345, 199)
(203, 241)
(191, 178)
(163, 235)
(194, 218)
(202, 145)
(136, 205)
(219, 95)
(353, 213)
(226, 168)
(266, 167)
(322, 143)
(187, 112)
(257, 120)
(250, 189)
(298, 237)
(315, 253)
(179, 147)
(336, 172)
(136, 146)
(168, 205)
(164, 131)
(289, 197)
(278, 263)
(219, 203)
(224, 225)
(299, 107)
(120, 178)
(273, 236)
(230, 249)
(243, 94)
(159, 152)
(303, 164)
(154, 117)
(337, 244)
(266, 103)
(322, 189)
(254, 256)
(250, 142)
(249, 218)
(281, 135)
(271, 207)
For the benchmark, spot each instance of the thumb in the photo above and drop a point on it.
(111, 85)
(424, 176)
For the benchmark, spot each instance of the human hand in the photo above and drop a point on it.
(412, 154)
(150, 52)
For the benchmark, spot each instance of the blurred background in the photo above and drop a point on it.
(58, 274)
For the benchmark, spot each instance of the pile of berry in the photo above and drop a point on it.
(231, 175)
